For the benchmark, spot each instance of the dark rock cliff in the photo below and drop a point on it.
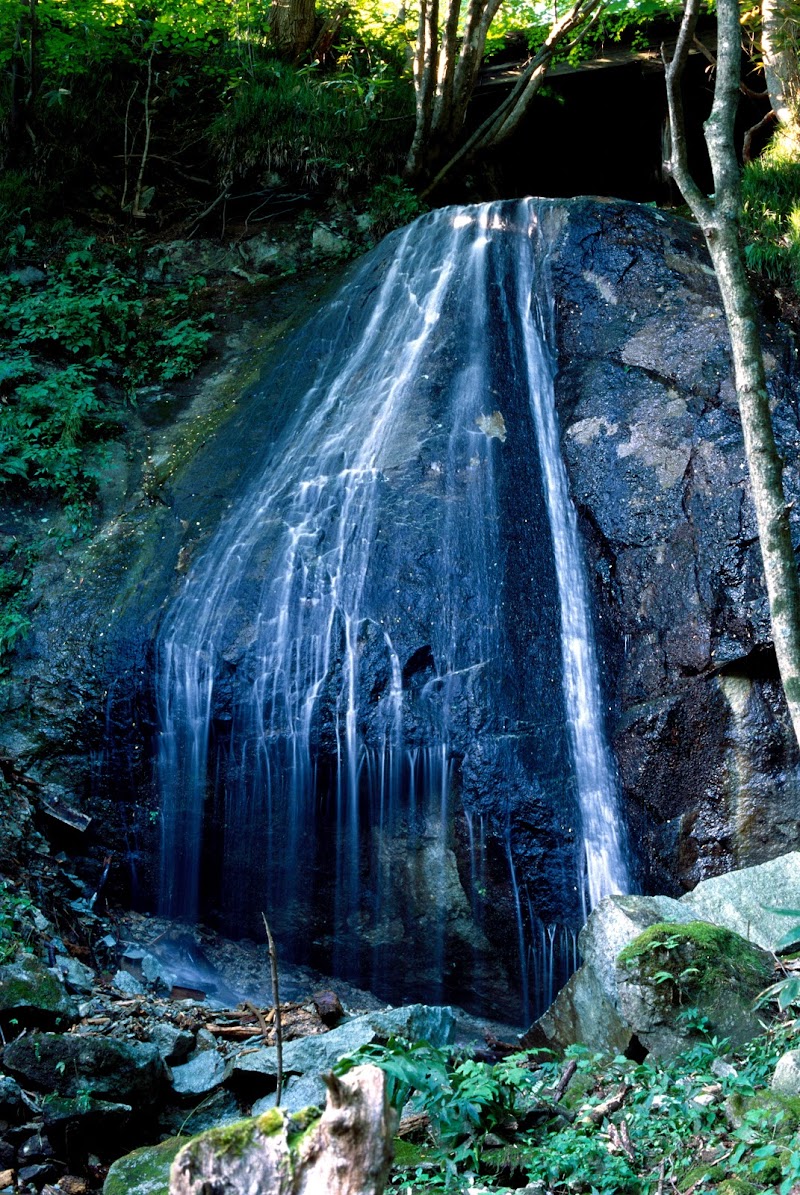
(653, 443)
(653, 447)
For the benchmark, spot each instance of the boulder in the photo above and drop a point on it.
(76, 975)
(174, 1044)
(32, 995)
(786, 1077)
(145, 1171)
(673, 968)
(204, 1071)
(345, 1151)
(587, 1009)
(299, 1091)
(745, 900)
(315, 1054)
(72, 1065)
(221, 1107)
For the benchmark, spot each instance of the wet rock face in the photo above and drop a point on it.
(653, 444)
(652, 441)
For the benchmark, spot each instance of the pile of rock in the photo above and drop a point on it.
(94, 1065)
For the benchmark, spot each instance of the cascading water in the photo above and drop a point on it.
(390, 637)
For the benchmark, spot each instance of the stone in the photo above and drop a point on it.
(128, 984)
(10, 1096)
(587, 1010)
(31, 994)
(79, 978)
(329, 1007)
(672, 967)
(745, 900)
(318, 1053)
(204, 1071)
(30, 276)
(160, 978)
(221, 1107)
(173, 1044)
(126, 1072)
(786, 1077)
(65, 1113)
(299, 1091)
(38, 1173)
(145, 1171)
(345, 1151)
(328, 243)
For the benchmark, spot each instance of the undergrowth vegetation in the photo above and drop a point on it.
(74, 343)
(76, 339)
(705, 1122)
(771, 212)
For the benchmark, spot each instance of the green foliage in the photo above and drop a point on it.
(73, 347)
(140, 109)
(496, 1125)
(14, 621)
(771, 211)
(787, 990)
(464, 1099)
(13, 907)
(391, 204)
(307, 127)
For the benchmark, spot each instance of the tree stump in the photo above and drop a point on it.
(345, 1151)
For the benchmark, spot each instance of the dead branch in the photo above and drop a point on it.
(148, 117)
(660, 1187)
(599, 1112)
(262, 1024)
(620, 1140)
(747, 144)
(273, 965)
(564, 1081)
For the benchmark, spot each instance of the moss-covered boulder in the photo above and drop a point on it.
(31, 995)
(673, 968)
(145, 1171)
(90, 1065)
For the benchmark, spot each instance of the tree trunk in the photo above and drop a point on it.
(445, 76)
(291, 26)
(719, 220)
(781, 70)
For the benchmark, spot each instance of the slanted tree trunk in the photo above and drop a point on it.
(446, 67)
(291, 26)
(719, 220)
(779, 49)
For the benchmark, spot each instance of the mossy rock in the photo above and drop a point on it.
(145, 1171)
(31, 995)
(783, 1111)
(737, 1186)
(509, 1162)
(698, 956)
(710, 1173)
(672, 967)
(407, 1154)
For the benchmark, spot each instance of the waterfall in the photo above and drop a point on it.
(391, 630)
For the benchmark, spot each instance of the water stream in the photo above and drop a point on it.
(390, 638)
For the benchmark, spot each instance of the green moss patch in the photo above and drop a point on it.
(145, 1171)
(697, 956)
